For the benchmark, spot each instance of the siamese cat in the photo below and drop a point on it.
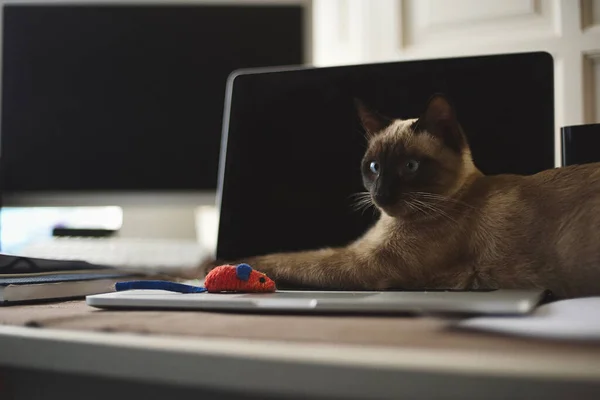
(445, 225)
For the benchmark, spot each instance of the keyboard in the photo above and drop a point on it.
(152, 255)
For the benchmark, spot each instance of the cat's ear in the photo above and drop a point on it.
(439, 119)
(371, 120)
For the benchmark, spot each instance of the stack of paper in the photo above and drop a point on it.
(573, 319)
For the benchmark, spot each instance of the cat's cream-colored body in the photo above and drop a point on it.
(453, 227)
(539, 231)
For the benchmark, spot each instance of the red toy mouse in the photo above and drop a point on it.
(242, 278)
(224, 278)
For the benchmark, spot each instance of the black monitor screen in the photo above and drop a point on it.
(294, 142)
(128, 97)
(580, 144)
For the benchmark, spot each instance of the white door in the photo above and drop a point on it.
(360, 31)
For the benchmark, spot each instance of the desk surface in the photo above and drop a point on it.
(320, 356)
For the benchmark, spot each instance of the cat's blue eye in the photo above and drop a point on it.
(412, 165)
(374, 167)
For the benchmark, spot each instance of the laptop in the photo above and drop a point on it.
(494, 302)
(290, 163)
(292, 141)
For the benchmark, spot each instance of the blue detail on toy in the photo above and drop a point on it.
(243, 272)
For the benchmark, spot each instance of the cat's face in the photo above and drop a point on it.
(408, 163)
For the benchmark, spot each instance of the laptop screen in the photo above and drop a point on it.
(293, 141)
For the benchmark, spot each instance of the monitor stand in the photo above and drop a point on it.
(179, 222)
(180, 216)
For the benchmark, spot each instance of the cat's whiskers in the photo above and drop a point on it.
(429, 209)
(442, 198)
(416, 207)
(437, 209)
(362, 201)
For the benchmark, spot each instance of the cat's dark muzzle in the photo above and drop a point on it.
(385, 199)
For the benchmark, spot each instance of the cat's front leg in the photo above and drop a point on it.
(333, 269)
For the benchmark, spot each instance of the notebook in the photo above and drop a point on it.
(24, 279)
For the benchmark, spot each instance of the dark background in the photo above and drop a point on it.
(295, 143)
(109, 98)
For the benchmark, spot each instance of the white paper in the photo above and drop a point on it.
(573, 319)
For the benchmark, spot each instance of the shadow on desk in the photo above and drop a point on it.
(19, 384)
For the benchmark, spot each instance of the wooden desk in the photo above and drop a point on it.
(241, 356)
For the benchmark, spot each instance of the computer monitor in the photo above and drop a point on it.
(293, 143)
(112, 98)
(580, 144)
(107, 103)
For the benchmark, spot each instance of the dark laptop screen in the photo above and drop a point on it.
(294, 143)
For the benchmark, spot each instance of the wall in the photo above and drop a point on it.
(362, 31)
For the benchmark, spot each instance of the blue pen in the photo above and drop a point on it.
(158, 285)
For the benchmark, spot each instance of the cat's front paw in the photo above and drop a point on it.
(209, 265)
